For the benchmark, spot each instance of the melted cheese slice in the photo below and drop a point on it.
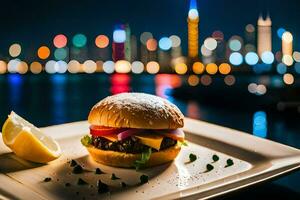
(151, 140)
(112, 138)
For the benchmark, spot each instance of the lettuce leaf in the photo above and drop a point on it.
(139, 164)
(86, 140)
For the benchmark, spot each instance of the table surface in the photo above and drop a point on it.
(54, 99)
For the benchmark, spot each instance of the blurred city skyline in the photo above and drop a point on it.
(24, 21)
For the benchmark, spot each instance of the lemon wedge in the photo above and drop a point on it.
(27, 141)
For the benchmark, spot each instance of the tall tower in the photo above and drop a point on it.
(264, 35)
(193, 30)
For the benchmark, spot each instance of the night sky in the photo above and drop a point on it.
(33, 23)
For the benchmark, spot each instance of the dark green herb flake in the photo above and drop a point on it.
(209, 167)
(47, 179)
(192, 157)
(77, 169)
(215, 158)
(123, 184)
(114, 177)
(81, 182)
(102, 187)
(229, 162)
(73, 163)
(144, 179)
(99, 171)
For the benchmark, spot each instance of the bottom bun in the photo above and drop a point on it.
(126, 160)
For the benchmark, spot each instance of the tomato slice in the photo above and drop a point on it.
(102, 130)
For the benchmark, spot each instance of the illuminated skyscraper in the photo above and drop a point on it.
(193, 32)
(264, 35)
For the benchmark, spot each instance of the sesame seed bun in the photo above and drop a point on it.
(136, 110)
(126, 160)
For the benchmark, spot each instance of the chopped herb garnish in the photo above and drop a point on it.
(77, 169)
(229, 163)
(47, 179)
(86, 140)
(68, 184)
(192, 157)
(102, 187)
(215, 158)
(144, 179)
(138, 164)
(81, 182)
(114, 177)
(99, 171)
(123, 184)
(209, 167)
(73, 163)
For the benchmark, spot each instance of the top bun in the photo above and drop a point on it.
(136, 110)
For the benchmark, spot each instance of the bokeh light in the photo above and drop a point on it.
(51, 67)
(260, 124)
(281, 68)
(252, 88)
(218, 35)
(102, 41)
(165, 43)
(280, 32)
(236, 58)
(297, 68)
(193, 80)
(152, 67)
(109, 67)
(22, 67)
(193, 14)
(151, 44)
(198, 68)
(288, 79)
(229, 80)
(206, 80)
(267, 57)
(36, 67)
(288, 60)
(211, 68)
(73, 66)
(210, 44)
(205, 52)
(251, 58)
(60, 41)
(181, 68)
(261, 90)
(137, 67)
(176, 41)
(3, 67)
(12, 65)
(145, 36)
(235, 45)
(79, 40)
(250, 28)
(60, 54)
(296, 56)
(224, 68)
(15, 50)
(61, 66)
(89, 66)
(119, 36)
(43, 52)
(123, 66)
(287, 37)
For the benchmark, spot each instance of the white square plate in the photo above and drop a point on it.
(255, 160)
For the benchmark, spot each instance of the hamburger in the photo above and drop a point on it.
(134, 130)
